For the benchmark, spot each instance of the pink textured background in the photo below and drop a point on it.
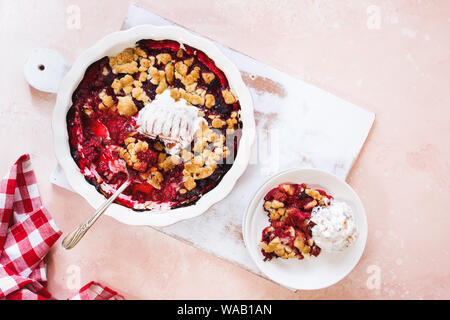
(401, 72)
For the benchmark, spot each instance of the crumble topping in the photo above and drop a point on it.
(130, 68)
(145, 63)
(228, 97)
(163, 58)
(153, 177)
(189, 61)
(278, 248)
(130, 153)
(209, 100)
(217, 123)
(168, 163)
(126, 106)
(208, 77)
(139, 94)
(194, 98)
(107, 101)
(170, 72)
(125, 83)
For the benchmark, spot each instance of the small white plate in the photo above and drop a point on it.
(317, 272)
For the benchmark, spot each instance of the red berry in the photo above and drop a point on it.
(275, 194)
(144, 187)
(287, 188)
(99, 129)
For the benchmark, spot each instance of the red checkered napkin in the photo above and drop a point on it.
(27, 232)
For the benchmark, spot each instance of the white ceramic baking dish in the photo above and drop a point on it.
(111, 45)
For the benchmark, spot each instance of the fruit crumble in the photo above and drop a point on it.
(289, 207)
(161, 113)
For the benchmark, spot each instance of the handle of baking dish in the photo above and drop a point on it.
(45, 69)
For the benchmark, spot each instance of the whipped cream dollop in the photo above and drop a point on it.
(174, 122)
(335, 228)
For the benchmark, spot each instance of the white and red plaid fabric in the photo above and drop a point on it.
(27, 232)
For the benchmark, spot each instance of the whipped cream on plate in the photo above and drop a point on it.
(335, 228)
(174, 122)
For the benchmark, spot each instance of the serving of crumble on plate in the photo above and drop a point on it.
(305, 229)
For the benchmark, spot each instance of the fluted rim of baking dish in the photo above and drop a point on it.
(111, 45)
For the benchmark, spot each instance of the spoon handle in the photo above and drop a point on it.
(75, 236)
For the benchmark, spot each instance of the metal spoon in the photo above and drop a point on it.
(75, 236)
